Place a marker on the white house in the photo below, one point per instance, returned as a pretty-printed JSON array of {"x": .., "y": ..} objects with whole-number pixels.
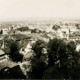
[
  {"x": 5, "y": 31},
  {"x": 78, "y": 47},
  {"x": 64, "y": 33},
  {"x": 3, "y": 56},
  {"x": 59, "y": 33},
  {"x": 26, "y": 50}
]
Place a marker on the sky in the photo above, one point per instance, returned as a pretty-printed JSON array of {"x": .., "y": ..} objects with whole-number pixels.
[{"x": 22, "y": 9}]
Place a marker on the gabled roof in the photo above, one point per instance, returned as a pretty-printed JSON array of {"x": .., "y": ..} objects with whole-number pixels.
[{"x": 2, "y": 52}]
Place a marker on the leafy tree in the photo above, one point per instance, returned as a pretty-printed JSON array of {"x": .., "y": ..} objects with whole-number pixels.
[
  {"x": 56, "y": 49},
  {"x": 71, "y": 45},
  {"x": 14, "y": 52},
  {"x": 37, "y": 62},
  {"x": 1, "y": 32},
  {"x": 37, "y": 48},
  {"x": 55, "y": 27},
  {"x": 63, "y": 60},
  {"x": 34, "y": 31},
  {"x": 38, "y": 67},
  {"x": 23, "y": 28},
  {"x": 77, "y": 26}
]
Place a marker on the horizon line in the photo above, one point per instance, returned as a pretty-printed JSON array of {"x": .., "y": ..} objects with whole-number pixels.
[{"x": 41, "y": 18}]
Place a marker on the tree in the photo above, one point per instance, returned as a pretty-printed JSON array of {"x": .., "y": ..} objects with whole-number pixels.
[
  {"x": 38, "y": 67},
  {"x": 1, "y": 32},
  {"x": 23, "y": 28},
  {"x": 37, "y": 48},
  {"x": 14, "y": 51},
  {"x": 34, "y": 31},
  {"x": 56, "y": 49},
  {"x": 63, "y": 60},
  {"x": 37, "y": 63},
  {"x": 77, "y": 26},
  {"x": 55, "y": 27}
]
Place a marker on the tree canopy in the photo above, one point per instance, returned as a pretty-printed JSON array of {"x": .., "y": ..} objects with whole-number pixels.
[
  {"x": 55, "y": 27},
  {"x": 63, "y": 60},
  {"x": 23, "y": 28},
  {"x": 38, "y": 61},
  {"x": 14, "y": 51}
]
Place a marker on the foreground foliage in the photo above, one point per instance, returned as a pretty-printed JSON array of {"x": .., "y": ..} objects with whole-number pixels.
[
  {"x": 63, "y": 60},
  {"x": 14, "y": 52}
]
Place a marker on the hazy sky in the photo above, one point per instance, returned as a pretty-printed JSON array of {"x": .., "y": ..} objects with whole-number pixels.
[{"x": 15, "y": 9}]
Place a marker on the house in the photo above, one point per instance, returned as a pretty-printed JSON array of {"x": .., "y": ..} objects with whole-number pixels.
[
  {"x": 78, "y": 47},
  {"x": 72, "y": 30},
  {"x": 5, "y": 31},
  {"x": 60, "y": 33},
  {"x": 26, "y": 32},
  {"x": 26, "y": 49},
  {"x": 3, "y": 45},
  {"x": 50, "y": 35},
  {"x": 74, "y": 36},
  {"x": 63, "y": 33},
  {"x": 3, "y": 56},
  {"x": 25, "y": 67}
]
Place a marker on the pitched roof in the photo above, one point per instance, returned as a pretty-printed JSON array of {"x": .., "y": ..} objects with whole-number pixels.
[{"x": 2, "y": 52}]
